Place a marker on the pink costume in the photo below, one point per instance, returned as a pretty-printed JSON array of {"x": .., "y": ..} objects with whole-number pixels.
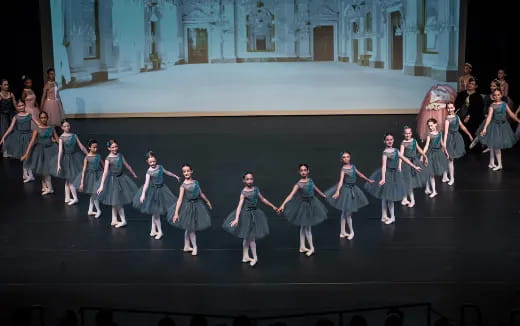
[
  {"x": 52, "y": 104},
  {"x": 30, "y": 105},
  {"x": 434, "y": 106}
]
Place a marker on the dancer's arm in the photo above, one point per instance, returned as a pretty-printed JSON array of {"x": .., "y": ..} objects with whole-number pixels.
[
  {"x": 319, "y": 191},
  {"x": 383, "y": 171},
  {"x": 83, "y": 174},
  {"x": 171, "y": 174},
  {"x": 407, "y": 161},
  {"x": 179, "y": 203},
  {"x": 8, "y": 131},
  {"x": 511, "y": 114},
  {"x": 237, "y": 213},
  {"x": 364, "y": 177},
  {"x": 289, "y": 197},
  {"x": 129, "y": 168},
  {"x": 488, "y": 121},
  {"x": 266, "y": 202},
  {"x": 81, "y": 147},
  {"x": 29, "y": 147},
  {"x": 60, "y": 152},
  {"x": 465, "y": 130},
  {"x": 145, "y": 188},
  {"x": 203, "y": 196},
  {"x": 103, "y": 177},
  {"x": 340, "y": 183}
]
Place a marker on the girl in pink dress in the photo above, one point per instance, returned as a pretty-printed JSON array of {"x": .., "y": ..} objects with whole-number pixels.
[
  {"x": 464, "y": 79},
  {"x": 504, "y": 86},
  {"x": 29, "y": 98},
  {"x": 51, "y": 102}
]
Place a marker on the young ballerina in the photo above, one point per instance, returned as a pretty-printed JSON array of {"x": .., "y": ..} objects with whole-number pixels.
[
  {"x": 41, "y": 153},
  {"x": 454, "y": 142},
  {"x": 51, "y": 102},
  {"x": 304, "y": 209},
  {"x": 496, "y": 133},
  {"x": 346, "y": 196},
  {"x": 435, "y": 150},
  {"x": 116, "y": 189},
  {"x": 412, "y": 178},
  {"x": 189, "y": 212},
  {"x": 29, "y": 99},
  {"x": 17, "y": 138},
  {"x": 390, "y": 185},
  {"x": 154, "y": 197},
  {"x": 7, "y": 109},
  {"x": 247, "y": 221},
  {"x": 70, "y": 161},
  {"x": 89, "y": 178}
]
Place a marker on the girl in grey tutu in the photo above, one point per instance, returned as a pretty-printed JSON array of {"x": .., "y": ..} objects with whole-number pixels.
[
  {"x": 437, "y": 154},
  {"x": 346, "y": 195},
  {"x": 90, "y": 177},
  {"x": 189, "y": 212},
  {"x": 454, "y": 142},
  {"x": 154, "y": 197},
  {"x": 116, "y": 188},
  {"x": 496, "y": 132},
  {"x": 42, "y": 151},
  {"x": 304, "y": 209},
  {"x": 17, "y": 137},
  {"x": 413, "y": 178},
  {"x": 70, "y": 161},
  {"x": 389, "y": 185},
  {"x": 248, "y": 222}
]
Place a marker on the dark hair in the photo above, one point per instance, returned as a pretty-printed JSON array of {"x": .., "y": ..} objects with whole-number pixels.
[
  {"x": 63, "y": 121},
  {"x": 3, "y": 80},
  {"x": 246, "y": 173},
  {"x": 20, "y": 101},
  {"x": 496, "y": 82},
  {"x": 26, "y": 78},
  {"x": 303, "y": 164},
  {"x": 187, "y": 165},
  {"x": 110, "y": 142},
  {"x": 498, "y": 90},
  {"x": 473, "y": 79},
  {"x": 50, "y": 69},
  {"x": 43, "y": 112},
  {"x": 431, "y": 120},
  {"x": 387, "y": 134},
  {"x": 150, "y": 154},
  {"x": 91, "y": 142}
]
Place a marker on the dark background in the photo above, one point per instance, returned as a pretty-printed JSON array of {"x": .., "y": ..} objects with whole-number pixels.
[{"x": 490, "y": 43}]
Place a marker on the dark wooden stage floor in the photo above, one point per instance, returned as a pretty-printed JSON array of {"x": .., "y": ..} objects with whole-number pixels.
[{"x": 463, "y": 246}]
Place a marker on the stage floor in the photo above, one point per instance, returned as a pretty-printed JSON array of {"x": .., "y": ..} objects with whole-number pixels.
[
  {"x": 262, "y": 88},
  {"x": 460, "y": 247}
]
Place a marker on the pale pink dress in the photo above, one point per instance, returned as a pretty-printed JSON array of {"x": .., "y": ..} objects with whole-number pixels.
[
  {"x": 52, "y": 104},
  {"x": 30, "y": 106}
]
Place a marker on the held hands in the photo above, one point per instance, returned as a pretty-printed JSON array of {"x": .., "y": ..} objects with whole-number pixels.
[
  {"x": 371, "y": 181},
  {"x": 275, "y": 208},
  {"x": 323, "y": 196},
  {"x": 280, "y": 209},
  {"x": 417, "y": 168}
]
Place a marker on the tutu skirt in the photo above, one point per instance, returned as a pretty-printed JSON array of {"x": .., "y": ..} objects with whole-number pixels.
[
  {"x": 43, "y": 159},
  {"x": 394, "y": 188},
  {"x": 455, "y": 145},
  {"x": 118, "y": 190},
  {"x": 157, "y": 201},
  {"x": 252, "y": 224},
  {"x": 16, "y": 143},
  {"x": 90, "y": 182},
  {"x": 193, "y": 215},
  {"x": 351, "y": 198},
  {"x": 305, "y": 211},
  {"x": 499, "y": 135},
  {"x": 413, "y": 178},
  {"x": 71, "y": 166},
  {"x": 437, "y": 161}
]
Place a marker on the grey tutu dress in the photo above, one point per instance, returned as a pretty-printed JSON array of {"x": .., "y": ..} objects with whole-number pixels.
[
  {"x": 44, "y": 153},
  {"x": 71, "y": 158},
  {"x": 304, "y": 209},
  {"x": 158, "y": 198},
  {"x": 454, "y": 142},
  {"x": 193, "y": 214},
  {"x": 17, "y": 141},
  {"x": 351, "y": 197},
  {"x": 413, "y": 178},
  {"x": 395, "y": 187},
  {"x": 437, "y": 160},
  {"x": 93, "y": 174},
  {"x": 119, "y": 189},
  {"x": 252, "y": 222},
  {"x": 499, "y": 134}
]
